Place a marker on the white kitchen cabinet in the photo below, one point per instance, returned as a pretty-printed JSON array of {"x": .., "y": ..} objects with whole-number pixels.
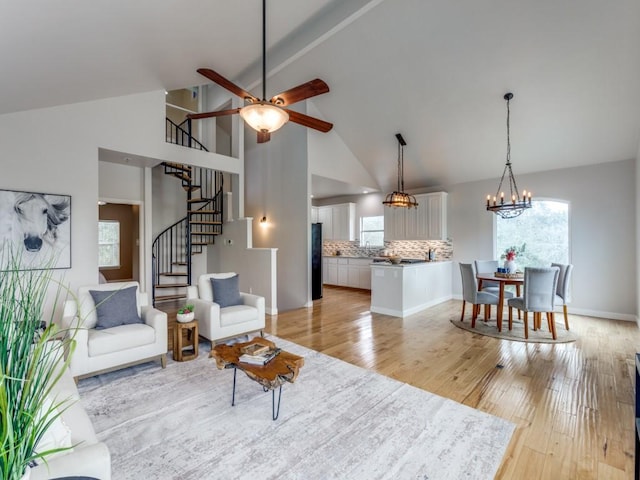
[
  {"x": 394, "y": 222},
  {"x": 432, "y": 216},
  {"x": 343, "y": 271},
  {"x": 426, "y": 222},
  {"x": 326, "y": 219},
  {"x": 348, "y": 272},
  {"x": 338, "y": 221},
  {"x": 331, "y": 271}
]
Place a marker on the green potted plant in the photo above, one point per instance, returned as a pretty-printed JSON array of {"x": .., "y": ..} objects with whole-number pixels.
[
  {"x": 32, "y": 360},
  {"x": 185, "y": 314}
]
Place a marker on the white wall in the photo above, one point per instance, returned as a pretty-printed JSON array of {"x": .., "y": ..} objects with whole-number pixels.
[
  {"x": 276, "y": 186},
  {"x": 256, "y": 267},
  {"x": 602, "y": 231},
  {"x": 329, "y": 157},
  {"x": 120, "y": 182},
  {"x": 37, "y": 153}
]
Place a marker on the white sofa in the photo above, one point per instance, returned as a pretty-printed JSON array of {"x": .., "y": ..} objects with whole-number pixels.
[
  {"x": 89, "y": 457},
  {"x": 107, "y": 349},
  {"x": 215, "y": 323}
]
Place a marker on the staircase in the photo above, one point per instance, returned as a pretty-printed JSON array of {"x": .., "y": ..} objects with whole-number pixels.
[{"x": 173, "y": 249}]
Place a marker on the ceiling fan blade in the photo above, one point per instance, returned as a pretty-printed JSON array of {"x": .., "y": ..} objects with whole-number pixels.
[
  {"x": 307, "y": 121},
  {"x": 301, "y": 92},
  {"x": 263, "y": 137},
  {"x": 223, "y": 82},
  {"x": 219, "y": 113}
]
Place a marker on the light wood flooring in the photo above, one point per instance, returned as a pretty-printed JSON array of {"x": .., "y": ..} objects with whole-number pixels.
[{"x": 573, "y": 404}]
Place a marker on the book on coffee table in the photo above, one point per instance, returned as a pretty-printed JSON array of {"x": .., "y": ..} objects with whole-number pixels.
[
  {"x": 260, "y": 359},
  {"x": 255, "y": 349}
]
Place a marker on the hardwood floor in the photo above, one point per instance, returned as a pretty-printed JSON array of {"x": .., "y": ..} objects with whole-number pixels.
[{"x": 573, "y": 403}]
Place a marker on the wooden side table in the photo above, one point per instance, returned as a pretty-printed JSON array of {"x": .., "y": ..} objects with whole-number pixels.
[{"x": 191, "y": 329}]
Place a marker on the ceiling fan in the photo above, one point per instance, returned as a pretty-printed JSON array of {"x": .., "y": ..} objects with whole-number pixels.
[{"x": 266, "y": 116}]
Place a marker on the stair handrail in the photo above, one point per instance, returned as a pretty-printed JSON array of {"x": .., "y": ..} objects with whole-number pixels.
[{"x": 192, "y": 141}]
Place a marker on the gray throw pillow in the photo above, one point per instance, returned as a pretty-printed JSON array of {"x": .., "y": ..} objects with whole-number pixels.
[
  {"x": 226, "y": 291},
  {"x": 115, "y": 307}
]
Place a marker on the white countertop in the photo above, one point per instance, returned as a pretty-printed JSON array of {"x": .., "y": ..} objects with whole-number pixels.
[{"x": 408, "y": 265}]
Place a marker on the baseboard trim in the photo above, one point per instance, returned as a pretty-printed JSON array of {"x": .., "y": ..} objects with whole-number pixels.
[{"x": 627, "y": 317}]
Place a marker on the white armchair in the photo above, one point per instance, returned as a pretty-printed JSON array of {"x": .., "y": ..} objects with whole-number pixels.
[
  {"x": 100, "y": 349},
  {"x": 216, "y": 323}
]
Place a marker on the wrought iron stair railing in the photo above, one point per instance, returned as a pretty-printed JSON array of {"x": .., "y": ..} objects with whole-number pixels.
[
  {"x": 175, "y": 246},
  {"x": 182, "y": 134}
]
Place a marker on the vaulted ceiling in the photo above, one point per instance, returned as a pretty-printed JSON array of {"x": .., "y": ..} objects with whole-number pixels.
[{"x": 436, "y": 71}]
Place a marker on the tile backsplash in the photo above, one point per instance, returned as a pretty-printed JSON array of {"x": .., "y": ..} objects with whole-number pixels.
[{"x": 404, "y": 248}]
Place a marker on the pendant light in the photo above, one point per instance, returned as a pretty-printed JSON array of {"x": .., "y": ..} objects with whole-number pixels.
[
  {"x": 515, "y": 204},
  {"x": 399, "y": 198}
]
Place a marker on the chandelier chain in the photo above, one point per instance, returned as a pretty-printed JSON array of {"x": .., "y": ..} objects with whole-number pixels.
[{"x": 514, "y": 205}]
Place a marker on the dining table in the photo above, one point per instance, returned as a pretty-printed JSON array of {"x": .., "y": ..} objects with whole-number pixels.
[{"x": 516, "y": 280}]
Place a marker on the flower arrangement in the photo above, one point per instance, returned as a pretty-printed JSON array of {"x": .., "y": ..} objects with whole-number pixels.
[
  {"x": 186, "y": 309},
  {"x": 512, "y": 252}
]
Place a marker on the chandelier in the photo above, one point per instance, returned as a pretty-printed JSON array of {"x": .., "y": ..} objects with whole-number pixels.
[
  {"x": 399, "y": 198},
  {"x": 514, "y": 204}
]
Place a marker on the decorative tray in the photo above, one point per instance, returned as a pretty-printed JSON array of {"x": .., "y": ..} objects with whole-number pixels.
[{"x": 509, "y": 275}]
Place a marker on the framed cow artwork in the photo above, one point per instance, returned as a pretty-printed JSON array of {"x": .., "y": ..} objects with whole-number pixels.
[{"x": 35, "y": 230}]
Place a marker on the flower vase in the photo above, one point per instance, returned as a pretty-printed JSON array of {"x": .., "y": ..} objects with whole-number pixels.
[{"x": 510, "y": 266}]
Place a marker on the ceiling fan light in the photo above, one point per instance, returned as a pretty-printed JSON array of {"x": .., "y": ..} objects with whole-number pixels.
[{"x": 264, "y": 117}]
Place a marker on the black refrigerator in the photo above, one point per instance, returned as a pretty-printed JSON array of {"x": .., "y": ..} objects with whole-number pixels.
[{"x": 316, "y": 261}]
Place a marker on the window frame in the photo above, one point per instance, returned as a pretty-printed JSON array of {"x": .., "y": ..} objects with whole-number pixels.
[
  {"x": 117, "y": 244},
  {"x": 362, "y": 243},
  {"x": 498, "y": 254}
]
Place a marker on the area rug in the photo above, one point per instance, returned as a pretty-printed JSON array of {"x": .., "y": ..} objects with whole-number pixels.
[
  {"x": 490, "y": 329},
  {"x": 337, "y": 421}
]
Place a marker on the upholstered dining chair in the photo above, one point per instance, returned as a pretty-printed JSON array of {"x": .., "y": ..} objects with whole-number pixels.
[
  {"x": 488, "y": 266},
  {"x": 563, "y": 291},
  {"x": 472, "y": 295},
  {"x": 539, "y": 294},
  {"x": 491, "y": 266}
]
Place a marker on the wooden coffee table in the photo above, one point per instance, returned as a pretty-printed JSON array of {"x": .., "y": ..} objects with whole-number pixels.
[{"x": 283, "y": 368}]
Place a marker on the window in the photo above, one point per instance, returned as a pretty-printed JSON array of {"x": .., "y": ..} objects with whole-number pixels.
[
  {"x": 108, "y": 243},
  {"x": 372, "y": 231},
  {"x": 541, "y": 234}
]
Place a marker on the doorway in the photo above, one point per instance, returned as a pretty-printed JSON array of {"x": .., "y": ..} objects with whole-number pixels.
[{"x": 119, "y": 242}]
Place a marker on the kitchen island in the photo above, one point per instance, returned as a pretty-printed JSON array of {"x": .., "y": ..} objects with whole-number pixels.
[{"x": 404, "y": 289}]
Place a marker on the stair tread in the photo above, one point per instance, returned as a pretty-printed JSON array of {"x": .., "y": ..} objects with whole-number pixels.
[
  {"x": 204, "y": 233},
  {"x": 192, "y": 187},
  {"x": 204, "y": 212},
  {"x": 199, "y": 200},
  {"x": 179, "y": 166},
  {"x": 174, "y": 274},
  {"x": 199, "y": 243},
  {"x": 181, "y": 176},
  {"x": 205, "y": 222},
  {"x": 180, "y": 263},
  {"x": 171, "y": 285},
  {"x": 162, "y": 298}
]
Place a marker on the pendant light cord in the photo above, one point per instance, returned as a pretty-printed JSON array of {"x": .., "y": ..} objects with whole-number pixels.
[
  {"x": 264, "y": 50},
  {"x": 508, "y": 133}
]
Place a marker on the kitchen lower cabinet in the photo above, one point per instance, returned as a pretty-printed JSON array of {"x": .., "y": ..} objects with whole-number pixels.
[
  {"x": 330, "y": 266},
  {"x": 348, "y": 272}
]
